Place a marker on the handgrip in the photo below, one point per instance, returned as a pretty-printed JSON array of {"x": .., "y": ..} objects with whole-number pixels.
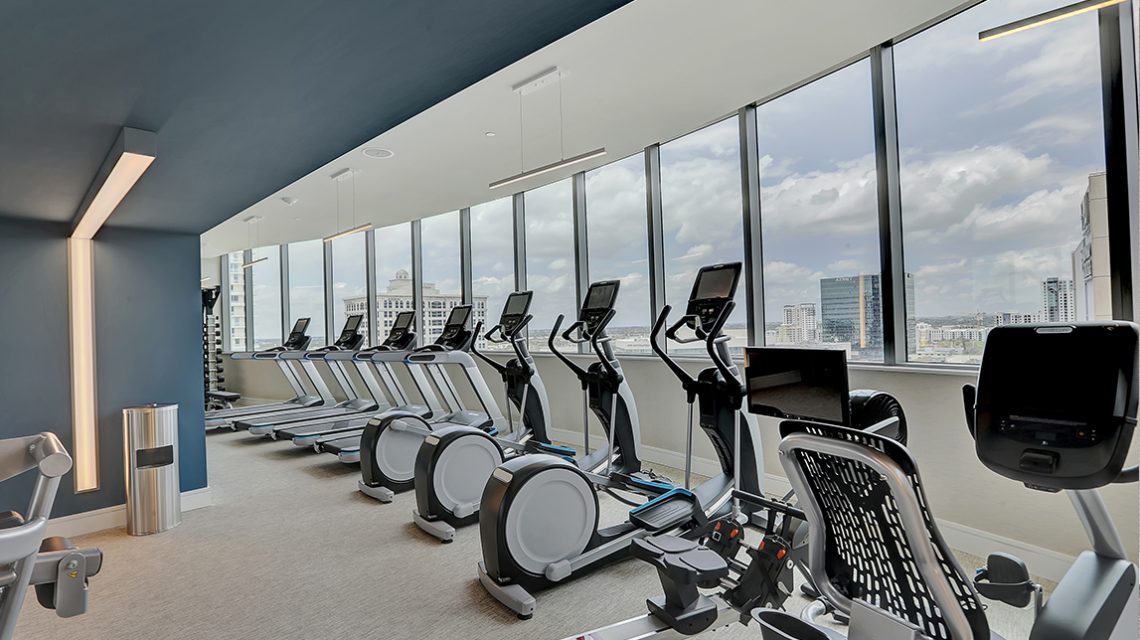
[{"x": 969, "y": 399}]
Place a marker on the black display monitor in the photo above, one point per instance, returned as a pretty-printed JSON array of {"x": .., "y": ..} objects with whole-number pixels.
[
  {"x": 300, "y": 326},
  {"x": 353, "y": 323},
  {"x": 403, "y": 320},
  {"x": 716, "y": 282},
  {"x": 459, "y": 315},
  {"x": 517, "y": 303},
  {"x": 601, "y": 295},
  {"x": 807, "y": 384}
]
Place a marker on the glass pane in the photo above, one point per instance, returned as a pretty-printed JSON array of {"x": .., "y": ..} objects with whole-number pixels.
[
  {"x": 702, "y": 215},
  {"x": 442, "y": 288},
  {"x": 550, "y": 259},
  {"x": 492, "y": 261},
  {"x": 393, "y": 275},
  {"x": 236, "y": 302},
  {"x": 266, "y": 298},
  {"x": 307, "y": 287},
  {"x": 819, "y": 208},
  {"x": 1002, "y": 176},
  {"x": 350, "y": 282},
  {"x": 618, "y": 246}
]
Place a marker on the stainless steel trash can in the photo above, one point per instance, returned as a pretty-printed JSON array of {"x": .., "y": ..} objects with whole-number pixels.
[{"x": 150, "y": 442}]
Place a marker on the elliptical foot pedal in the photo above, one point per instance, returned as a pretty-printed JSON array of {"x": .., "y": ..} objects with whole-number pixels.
[{"x": 667, "y": 511}]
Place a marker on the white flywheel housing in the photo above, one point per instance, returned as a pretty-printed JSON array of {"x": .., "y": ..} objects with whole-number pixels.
[
  {"x": 396, "y": 451},
  {"x": 552, "y": 517},
  {"x": 462, "y": 469}
]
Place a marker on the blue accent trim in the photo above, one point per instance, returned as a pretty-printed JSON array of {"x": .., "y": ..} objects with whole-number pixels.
[
  {"x": 649, "y": 483},
  {"x": 492, "y": 431},
  {"x": 662, "y": 498},
  {"x": 569, "y": 459},
  {"x": 556, "y": 449}
]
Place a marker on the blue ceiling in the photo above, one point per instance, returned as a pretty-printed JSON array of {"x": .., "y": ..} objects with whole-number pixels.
[{"x": 246, "y": 96}]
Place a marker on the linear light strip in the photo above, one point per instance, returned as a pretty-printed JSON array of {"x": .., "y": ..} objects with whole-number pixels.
[
  {"x": 128, "y": 169},
  {"x": 367, "y": 226},
  {"x": 249, "y": 264},
  {"x": 1045, "y": 18},
  {"x": 85, "y": 445},
  {"x": 589, "y": 155}
]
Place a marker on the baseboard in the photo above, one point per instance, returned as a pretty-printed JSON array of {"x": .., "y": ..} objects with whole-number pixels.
[
  {"x": 1044, "y": 563},
  {"x": 116, "y": 517}
]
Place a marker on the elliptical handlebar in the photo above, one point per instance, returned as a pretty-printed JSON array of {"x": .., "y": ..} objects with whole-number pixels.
[
  {"x": 578, "y": 371},
  {"x": 687, "y": 381},
  {"x": 713, "y": 339},
  {"x": 594, "y": 342}
]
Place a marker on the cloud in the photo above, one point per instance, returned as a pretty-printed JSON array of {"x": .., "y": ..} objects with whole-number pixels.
[{"x": 837, "y": 200}]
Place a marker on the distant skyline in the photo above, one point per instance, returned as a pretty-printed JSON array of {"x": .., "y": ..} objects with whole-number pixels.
[{"x": 997, "y": 142}]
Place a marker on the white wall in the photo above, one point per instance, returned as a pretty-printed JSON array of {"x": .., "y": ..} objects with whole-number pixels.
[{"x": 963, "y": 494}]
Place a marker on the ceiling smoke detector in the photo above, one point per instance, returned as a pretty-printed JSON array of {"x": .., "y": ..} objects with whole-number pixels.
[
  {"x": 376, "y": 153},
  {"x": 289, "y": 200}
]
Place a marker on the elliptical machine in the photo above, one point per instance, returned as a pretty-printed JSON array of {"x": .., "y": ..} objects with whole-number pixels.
[
  {"x": 390, "y": 441},
  {"x": 540, "y": 526},
  {"x": 1055, "y": 409},
  {"x": 454, "y": 462}
]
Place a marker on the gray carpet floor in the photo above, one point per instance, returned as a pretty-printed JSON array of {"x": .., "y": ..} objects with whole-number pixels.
[{"x": 290, "y": 549}]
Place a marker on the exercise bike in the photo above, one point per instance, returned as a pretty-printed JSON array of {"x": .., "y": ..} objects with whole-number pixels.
[{"x": 1054, "y": 408}]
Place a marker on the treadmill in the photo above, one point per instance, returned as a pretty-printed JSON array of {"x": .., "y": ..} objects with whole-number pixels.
[
  {"x": 396, "y": 345},
  {"x": 297, "y": 341},
  {"x": 452, "y": 347},
  {"x": 346, "y": 345}
]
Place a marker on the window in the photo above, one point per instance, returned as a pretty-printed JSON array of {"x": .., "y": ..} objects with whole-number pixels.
[
  {"x": 441, "y": 265},
  {"x": 819, "y": 211},
  {"x": 550, "y": 270},
  {"x": 393, "y": 275},
  {"x": 702, "y": 216},
  {"x": 349, "y": 282},
  {"x": 618, "y": 246},
  {"x": 307, "y": 287},
  {"x": 266, "y": 298},
  {"x": 999, "y": 144},
  {"x": 492, "y": 260},
  {"x": 237, "y": 310}
]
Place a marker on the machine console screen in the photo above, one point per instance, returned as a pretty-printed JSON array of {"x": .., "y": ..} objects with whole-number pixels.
[{"x": 808, "y": 384}]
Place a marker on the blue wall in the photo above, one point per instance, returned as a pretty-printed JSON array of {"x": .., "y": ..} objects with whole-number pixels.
[{"x": 148, "y": 346}]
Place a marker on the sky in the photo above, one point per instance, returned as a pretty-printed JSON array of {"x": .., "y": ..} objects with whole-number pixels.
[{"x": 997, "y": 141}]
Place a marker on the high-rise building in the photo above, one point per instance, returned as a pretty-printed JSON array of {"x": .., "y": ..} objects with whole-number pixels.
[
  {"x": 1092, "y": 280},
  {"x": 852, "y": 313},
  {"x": 1057, "y": 304},
  {"x": 236, "y": 302},
  {"x": 398, "y": 297},
  {"x": 800, "y": 324}
]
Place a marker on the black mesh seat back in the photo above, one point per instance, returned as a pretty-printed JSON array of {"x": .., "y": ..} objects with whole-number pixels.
[{"x": 867, "y": 553}]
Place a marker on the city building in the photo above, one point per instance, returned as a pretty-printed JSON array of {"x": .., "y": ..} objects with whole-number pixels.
[
  {"x": 1092, "y": 280},
  {"x": 398, "y": 297},
  {"x": 1057, "y": 304},
  {"x": 236, "y": 302},
  {"x": 852, "y": 313},
  {"x": 800, "y": 325}
]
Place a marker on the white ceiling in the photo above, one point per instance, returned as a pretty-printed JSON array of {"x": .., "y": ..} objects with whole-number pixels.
[{"x": 648, "y": 72}]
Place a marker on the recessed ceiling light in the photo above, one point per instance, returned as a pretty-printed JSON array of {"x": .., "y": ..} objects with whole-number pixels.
[
  {"x": 289, "y": 200},
  {"x": 490, "y": 134},
  {"x": 377, "y": 153}
]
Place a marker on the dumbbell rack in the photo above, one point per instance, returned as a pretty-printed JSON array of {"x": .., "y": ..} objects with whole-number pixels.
[{"x": 213, "y": 373}]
